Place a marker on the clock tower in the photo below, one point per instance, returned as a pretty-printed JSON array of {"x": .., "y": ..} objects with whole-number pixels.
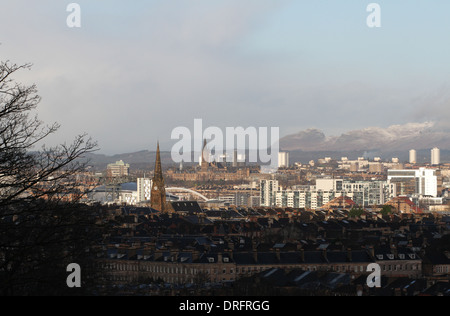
[{"x": 158, "y": 194}]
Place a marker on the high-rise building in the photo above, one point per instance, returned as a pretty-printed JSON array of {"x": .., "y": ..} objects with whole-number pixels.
[
  {"x": 363, "y": 193},
  {"x": 422, "y": 182},
  {"x": 158, "y": 193},
  {"x": 412, "y": 156},
  {"x": 283, "y": 160},
  {"x": 118, "y": 169},
  {"x": 268, "y": 189},
  {"x": 435, "y": 156},
  {"x": 235, "y": 158},
  {"x": 144, "y": 189}
]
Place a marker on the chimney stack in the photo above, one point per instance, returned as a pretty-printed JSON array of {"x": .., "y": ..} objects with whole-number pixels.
[
  {"x": 372, "y": 251},
  {"x": 158, "y": 254},
  {"x": 349, "y": 255},
  {"x": 324, "y": 254},
  {"x": 231, "y": 255},
  {"x": 394, "y": 250},
  {"x": 195, "y": 255},
  {"x": 255, "y": 254}
]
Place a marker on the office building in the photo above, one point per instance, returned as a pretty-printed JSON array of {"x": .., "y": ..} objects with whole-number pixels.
[{"x": 117, "y": 170}]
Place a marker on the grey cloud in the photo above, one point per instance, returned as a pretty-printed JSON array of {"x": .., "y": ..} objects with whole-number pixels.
[{"x": 396, "y": 137}]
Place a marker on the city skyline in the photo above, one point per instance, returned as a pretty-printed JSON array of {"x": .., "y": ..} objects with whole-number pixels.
[
  {"x": 223, "y": 148},
  {"x": 232, "y": 64}
]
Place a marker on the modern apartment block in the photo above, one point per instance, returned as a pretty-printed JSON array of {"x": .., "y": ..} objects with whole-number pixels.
[
  {"x": 363, "y": 193},
  {"x": 419, "y": 182},
  {"x": 144, "y": 188},
  {"x": 412, "y": 156},
  {"x": 268, "y": 189},
  {"x": 283, "y": 160},
  {"x": 435, "y": 156}
]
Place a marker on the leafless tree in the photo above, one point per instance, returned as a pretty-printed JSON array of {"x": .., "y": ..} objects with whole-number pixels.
[{"x": 42, "y": 225}]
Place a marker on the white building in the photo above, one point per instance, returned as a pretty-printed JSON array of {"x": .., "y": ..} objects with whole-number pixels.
[
  {"x": 283, "y": 160},
  {"x": 128, "y": 197},
  {"x": 422, "y": 182},
  {"x": 364, "y": 193},
  {"x": 309, "y": 199},
  {"x": 268, "y": 189},
  {"x": 435, "y": 156},
  {"x": 144, "y": 189},
  {"x": 412, "y": 156}
]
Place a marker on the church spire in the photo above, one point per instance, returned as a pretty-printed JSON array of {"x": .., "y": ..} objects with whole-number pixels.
[
  {"x": 158, "y": 168},
  {"x": 158, "y": 194}
]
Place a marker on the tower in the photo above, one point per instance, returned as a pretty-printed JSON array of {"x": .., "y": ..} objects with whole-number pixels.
[
  {"x": 283, "y": 160},
  {"x": 435, "y": 156},
  {"x": 206, "y": 158},
  {"x": 412, "y": 156},
  {"x": 158, "y": 195}
]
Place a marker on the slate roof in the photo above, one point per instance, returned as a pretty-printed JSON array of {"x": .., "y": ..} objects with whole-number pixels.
[
  {"x": 296, "y": 257},
  {"x": 437, "y": 258},
  {"x": 187, "y": 206}
]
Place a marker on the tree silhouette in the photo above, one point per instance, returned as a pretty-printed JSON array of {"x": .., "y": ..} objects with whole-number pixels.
[{"x": 43, "y": 227}]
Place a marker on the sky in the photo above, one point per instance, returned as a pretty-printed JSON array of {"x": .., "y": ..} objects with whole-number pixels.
[{"x": 136, "y": 70}]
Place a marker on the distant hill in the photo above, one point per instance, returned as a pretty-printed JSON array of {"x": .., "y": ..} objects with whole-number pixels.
[
  {"x": 312, "y": 144},
  {"x": 138, "y": 160}
]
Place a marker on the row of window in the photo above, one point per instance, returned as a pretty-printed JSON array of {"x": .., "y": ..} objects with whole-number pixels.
[
  {"x": 257, "y": 269},
  {"x": 163, "y": 269},
  {"x": 442, "y": 269},
  {"x": 400, "y": 267}
]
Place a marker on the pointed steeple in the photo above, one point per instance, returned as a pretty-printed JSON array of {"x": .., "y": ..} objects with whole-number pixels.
[
  {"x": 158, "y": 168},
  {"x": 158, "y": 193},
  {"x": 204, "y": 152}
]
